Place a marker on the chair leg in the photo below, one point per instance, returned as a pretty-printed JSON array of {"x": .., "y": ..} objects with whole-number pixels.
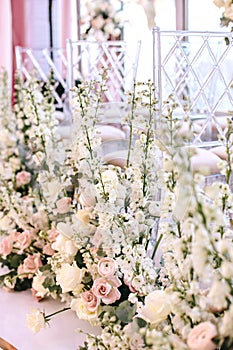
[{"x": 4, "y": 345}]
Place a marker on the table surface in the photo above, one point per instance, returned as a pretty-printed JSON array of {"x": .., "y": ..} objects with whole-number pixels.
[{"x": 60, "y": 334}]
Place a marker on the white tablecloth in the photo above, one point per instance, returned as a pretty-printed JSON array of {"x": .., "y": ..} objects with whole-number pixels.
[{"x": 60, "y": 335}]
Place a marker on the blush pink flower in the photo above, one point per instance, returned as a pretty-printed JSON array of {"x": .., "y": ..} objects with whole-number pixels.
[
  {"x": 30, "y": 265},
  {"x": 106, "y": 289},
  {"x": 23, "y": 178},
  {"x": 48, "y": 250},
  {"x": 63, "y": 205},
  {"x": 24, "y": 239},
  {"x": 201, "y": 337},
  {"x": 131, "y": 287},
  {"x": 14, "y": 235},
  {"x": 52, "y": 234},
  {"x": 107, "y": 267},
  {"x": 90, "y": 300},
  {"x": 5, "y": 246}
]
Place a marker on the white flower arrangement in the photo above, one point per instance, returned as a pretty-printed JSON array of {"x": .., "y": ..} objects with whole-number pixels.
[{"x": 142, "y": 248}]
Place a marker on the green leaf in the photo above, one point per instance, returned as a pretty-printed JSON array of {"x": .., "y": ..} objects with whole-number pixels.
[
  {"x": 141, "y": 323},
  {"x": 23, "y": 284},
  {"x": 79, "y": 260},
  {"x": 125, "y": 312}
]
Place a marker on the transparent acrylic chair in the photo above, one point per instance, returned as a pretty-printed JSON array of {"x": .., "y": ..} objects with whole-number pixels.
[
  {"x": 86, "y": 59},
  {"x": 195, "y": 68},
  {"x": 46, "y": 64}
]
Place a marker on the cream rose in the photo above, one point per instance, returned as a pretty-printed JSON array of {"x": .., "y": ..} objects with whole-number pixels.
[
  {"x": 64, "y": 245},
  {"x": 201, "y": 337},
  {"x": 157, "y": 307},
  {"x": 69, "y": 277},
  {"x": 79, "y": 306}
]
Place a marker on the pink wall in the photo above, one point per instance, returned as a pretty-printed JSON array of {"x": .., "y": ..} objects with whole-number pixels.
[{"x": 5, "y": 35}]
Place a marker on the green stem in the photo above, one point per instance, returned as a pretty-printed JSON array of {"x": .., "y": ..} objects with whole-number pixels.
[
  {"x": 47, "y": 318},
  {"x": 156, "y": 246}
]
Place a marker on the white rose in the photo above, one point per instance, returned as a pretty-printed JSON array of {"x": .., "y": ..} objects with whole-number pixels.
[
  {"x": 157, "y": 307},
  {"x": 69, "y": 277},
  {"x": 64, "y": 245},
  {"x": 82, "y": 312}
]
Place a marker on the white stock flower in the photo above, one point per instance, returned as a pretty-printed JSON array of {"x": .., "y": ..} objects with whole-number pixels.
[{"x": 218, "y": 294}]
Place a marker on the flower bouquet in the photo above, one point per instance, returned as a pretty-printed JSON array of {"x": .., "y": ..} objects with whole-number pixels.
[
  {"x": 142, "y": 246},
  {"x": 102, "y": 20}
]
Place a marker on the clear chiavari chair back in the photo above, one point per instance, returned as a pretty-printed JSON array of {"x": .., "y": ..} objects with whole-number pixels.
[
  {"x": 86, "y": 61},
  {"x": 49, "y": 66},
  {"x": 195, "y": 68}
]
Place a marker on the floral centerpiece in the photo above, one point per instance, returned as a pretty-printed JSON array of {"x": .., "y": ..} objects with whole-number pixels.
[
  {"x": 101, "y": 19},
  {"x": 142, "y": 246}
]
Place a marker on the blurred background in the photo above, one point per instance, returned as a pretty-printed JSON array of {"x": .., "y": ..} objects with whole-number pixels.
[{"x": 48, "y": 23}]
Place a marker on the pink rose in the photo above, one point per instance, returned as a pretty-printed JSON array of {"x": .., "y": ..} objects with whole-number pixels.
[
  {"x": 48, "y": 250},
  {"x": 201, "y": 337},
  {"x": 53, "y": 235},
  {"x": 24, "y": 239},
  {"x": 106, "y": 289},
  {"x": 23, "y": 178},
  {"x": 63, "y": 205},
  {"x": 5, "y": 246},
  {"x": 90, "y": 300},
  {"x": 107, "y": 267},
  {"x": 30, "y": 265},
  {"x": 14, "y": 235}
]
